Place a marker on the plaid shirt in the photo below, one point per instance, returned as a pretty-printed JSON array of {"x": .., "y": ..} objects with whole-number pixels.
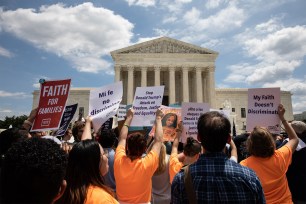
[{"x": 216, "y": 179}]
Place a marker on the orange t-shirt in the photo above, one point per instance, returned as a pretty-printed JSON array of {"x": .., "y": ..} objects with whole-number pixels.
[
  {"x": 97, "y": 195},
  {"x": 134, "y": 178},
  {"x": 174, "y": 166},
  {"x": 272, "y": 174}
]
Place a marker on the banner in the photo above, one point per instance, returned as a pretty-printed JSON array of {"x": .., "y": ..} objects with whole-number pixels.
[
  {"x": 146, "y": 101},
  {"x": 104, "y": 103},
  {"x": 172, "y": 117},
  {"x": 190, "y": 115},
  {"x": 262, "y": 109},
  {"x": 66, "y": 119},
  {"x": 52, "y": 102}
]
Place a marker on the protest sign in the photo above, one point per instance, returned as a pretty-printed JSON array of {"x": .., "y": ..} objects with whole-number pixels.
[
  {"x": 146, "y": 101},
  {"x": 172, "y": 116},
  {"x": 108, "y": 125},
  {"x": 52, "y": 102},
  {"x": 66, "y": 119},
  {"x": 262, "y": 109},
  {"x": 190, "y": 115},
  {"x": 121, "y": 112},
  {"x": 104, "y": 103}
]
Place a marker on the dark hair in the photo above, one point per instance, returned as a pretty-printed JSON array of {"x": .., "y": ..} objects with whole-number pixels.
[
  {"x": 33, "y": 171},
  {"x": 192, "y": 147},
  {"x": 136, "y": 145},
  {"x": 83, "y": 170},
  {"x": 7, "y": 139},
  {"x": 168, "y": 115},
  {"x": 261, "y": 143},
  {"x": 75, "y": 130},
  {"x": 213, "y": 129},
  {"x": 107, "y": 138}
]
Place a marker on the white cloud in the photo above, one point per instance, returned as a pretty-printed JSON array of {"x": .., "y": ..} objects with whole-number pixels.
[
  {"x": 82, "y": 34},
  {"x": 5, "y": 110},
  {"x": 212, "y": 4},
  {"x": 5, "y": 53},
  {"x": 14, "y": 94},
  {"x": 144, "y": 3}
]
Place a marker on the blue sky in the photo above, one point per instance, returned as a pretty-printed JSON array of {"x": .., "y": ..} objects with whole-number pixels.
[{"x": 260, "y": 43}]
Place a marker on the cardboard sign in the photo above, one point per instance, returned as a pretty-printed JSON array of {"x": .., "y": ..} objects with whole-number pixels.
[
  {"x": 104, "y": 103},
  {"x": 190, "y": 115},
  {"x": 262, "y": 109},
  {"x": 52, "y": 102},
  {"x": 66, "y": 119},
  {"x": 172, "y": 116},
  {"x": 146, "y": 101}
]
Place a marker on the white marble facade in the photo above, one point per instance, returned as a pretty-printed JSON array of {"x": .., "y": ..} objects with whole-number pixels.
[{"x": 187, "y": 72}]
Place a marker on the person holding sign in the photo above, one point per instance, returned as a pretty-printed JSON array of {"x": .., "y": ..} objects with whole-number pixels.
[
  {"x": 87, "y": 164},
  {"x": 133, "y": 172},
  {"x": 270, "y": 164}
]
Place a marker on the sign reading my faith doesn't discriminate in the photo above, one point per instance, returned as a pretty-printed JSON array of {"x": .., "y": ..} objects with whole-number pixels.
[
  {"x": 262, "y": 109},
  {"x": 52, "y": 102},
  {"x": 190, "y": 115},
  {"x": 104, "y": 103},
  {"x": 146, "y": 101}
]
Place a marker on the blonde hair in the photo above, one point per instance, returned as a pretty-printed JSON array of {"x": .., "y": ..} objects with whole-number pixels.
[
  {"x": 162, "y": 164},
  {"x": 261, "y": 143}
]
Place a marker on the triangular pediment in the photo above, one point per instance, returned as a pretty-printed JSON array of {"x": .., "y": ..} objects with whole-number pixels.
[{"x": 163, "y": 45}]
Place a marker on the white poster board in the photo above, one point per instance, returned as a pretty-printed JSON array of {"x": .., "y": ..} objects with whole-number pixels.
[
  {"x": 146, "y": 101},
  {"x": 121, "y": 112},
  {"x": 190, "y": 115},
  {"x": 262, "y": 109},
  {"x": 104, "y": 103}
]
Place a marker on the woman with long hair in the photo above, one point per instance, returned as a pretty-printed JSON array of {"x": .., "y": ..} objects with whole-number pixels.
[
  {"x": 87, "y": 165},
  {"x": 270, "y": 164}
]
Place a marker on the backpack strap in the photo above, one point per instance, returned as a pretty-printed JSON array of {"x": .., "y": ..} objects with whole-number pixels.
[{"x": 188, "y": 186}]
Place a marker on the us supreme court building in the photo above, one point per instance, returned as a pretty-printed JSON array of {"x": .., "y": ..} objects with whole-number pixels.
[{"x": 187, "y": 71}]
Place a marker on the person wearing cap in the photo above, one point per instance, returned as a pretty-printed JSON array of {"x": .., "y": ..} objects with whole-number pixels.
[{"x": 296, "y": 174}]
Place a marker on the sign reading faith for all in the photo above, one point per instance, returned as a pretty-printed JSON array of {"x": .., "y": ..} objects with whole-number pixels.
[
  {"x": 52, "y": 102},
  {"x": 262, "y": 109}
]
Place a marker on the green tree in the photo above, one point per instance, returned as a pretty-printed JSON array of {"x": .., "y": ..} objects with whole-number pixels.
[{"x": 15, "y": 121}]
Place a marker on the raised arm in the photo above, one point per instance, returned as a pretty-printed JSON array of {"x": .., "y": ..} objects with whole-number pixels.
[
  {"x": 87, "y": 129},
  {"x": 176, "y": 141},
  {"x": 158, "y": 138},
  {"x": 293, "y": 139},
  {"x": 234, "y": 155},
  {"x": 125, "y": 128}
]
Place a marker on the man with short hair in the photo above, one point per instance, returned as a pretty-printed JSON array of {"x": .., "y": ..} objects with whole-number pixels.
[
  {"x": 214, "y": 177},
  {"x": 33, "y": 171}
]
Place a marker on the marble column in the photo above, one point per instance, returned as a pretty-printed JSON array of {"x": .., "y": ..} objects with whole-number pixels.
[
  {"x": 199, "y": 96},
  {"x": 185, "y": 85},
  {"x": 130, "y": 91},
  {"x": 211, "y": 79},
  {"x": 117, "y": 73},
  {"x": 205, "y": 87},
  {"x": 171, "y": 84},
  {"x": 157, "y": 75},
  {"x": 143, "y": 76}
]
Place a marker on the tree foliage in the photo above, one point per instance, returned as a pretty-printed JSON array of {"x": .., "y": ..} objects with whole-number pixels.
[{"x": 15, "y": 121}]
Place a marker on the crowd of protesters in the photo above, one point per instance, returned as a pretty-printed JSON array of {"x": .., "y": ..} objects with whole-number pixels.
[{"x": 120, "y": 166}]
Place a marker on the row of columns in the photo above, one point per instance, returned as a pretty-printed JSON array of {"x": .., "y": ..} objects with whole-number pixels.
[{"x": 209, "y": 83}]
